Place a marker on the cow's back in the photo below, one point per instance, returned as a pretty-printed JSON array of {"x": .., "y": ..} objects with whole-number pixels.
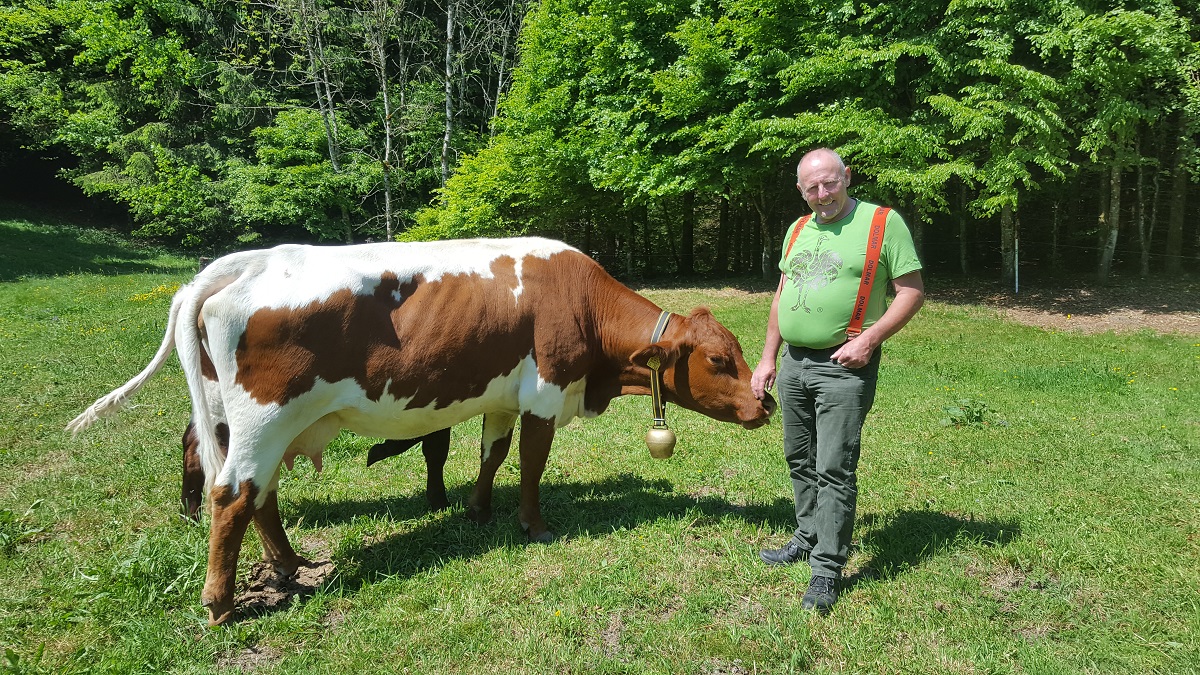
[{"x": 413, "y": 326}]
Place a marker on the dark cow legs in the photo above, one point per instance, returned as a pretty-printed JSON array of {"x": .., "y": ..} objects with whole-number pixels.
[
  {"x": 436, "y": 448},
  {"x": 536, "y": 437},
  {"x": 193, "y": 475}
]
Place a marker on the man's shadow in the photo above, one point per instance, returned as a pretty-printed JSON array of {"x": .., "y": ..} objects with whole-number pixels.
[{"x": 904, "y": 539}]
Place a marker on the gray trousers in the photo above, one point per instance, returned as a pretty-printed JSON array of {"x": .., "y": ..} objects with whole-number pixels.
[{"x": 824, "y": 405}]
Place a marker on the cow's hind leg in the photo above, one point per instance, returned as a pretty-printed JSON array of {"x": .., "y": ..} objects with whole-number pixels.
[
  {"x": 231, "y": 515},
  {"x": 537, "y": 435},
  {"x": 494, "y": 446},
  {"x": 436, "y": 448},
  {"x": 277, "y": 550}
]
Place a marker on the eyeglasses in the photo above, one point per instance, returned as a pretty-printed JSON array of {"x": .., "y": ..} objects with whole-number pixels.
[{"x": 830, "y": 187}]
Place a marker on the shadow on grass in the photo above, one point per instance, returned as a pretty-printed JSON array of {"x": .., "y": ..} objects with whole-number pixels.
[
  {"x": 42, "y": 249},
  {"x": 902, "y": 540},
  {"x": 572, "y": 510}
]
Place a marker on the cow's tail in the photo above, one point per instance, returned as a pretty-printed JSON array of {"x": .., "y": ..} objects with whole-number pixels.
[
  {"x": 189, "y": 344},
  {"x": 119, "y": 397}
]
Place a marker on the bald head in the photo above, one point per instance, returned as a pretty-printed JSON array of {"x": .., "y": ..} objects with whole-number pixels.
[
  {"x": 822, "y": 178},
  {"x": 818, "y": 158}
]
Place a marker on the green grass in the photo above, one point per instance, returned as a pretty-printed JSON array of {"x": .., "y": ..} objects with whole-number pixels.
[{"x": 1056, "y": 533}]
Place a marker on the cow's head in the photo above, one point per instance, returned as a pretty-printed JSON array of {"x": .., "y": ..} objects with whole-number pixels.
[{"x": 704, "y": 370}]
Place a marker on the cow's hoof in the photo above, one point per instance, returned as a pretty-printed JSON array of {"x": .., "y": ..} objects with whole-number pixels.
[
  {"x": 438, "y": 504},
  {"x": 478, "y": 515},
  {"x": 219, "y": 613},
  {"x": 545, "y": 537},
  {"x": 286, "y": 568}
]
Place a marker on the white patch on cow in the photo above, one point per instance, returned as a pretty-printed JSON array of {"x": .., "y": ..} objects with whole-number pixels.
[
  {"x": 295, "y": 276},
  {"x": 520, "y": 281},
  {"x": 549, "y": 401},
  {"x": 496, "y": 425}
]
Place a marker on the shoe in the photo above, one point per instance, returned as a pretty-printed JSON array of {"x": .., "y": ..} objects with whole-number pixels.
[
  {"x": 821, "y": 594},
  {"x": 790, "y": 554}
]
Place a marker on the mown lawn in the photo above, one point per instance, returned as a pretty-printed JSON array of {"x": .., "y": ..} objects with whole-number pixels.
[{"x": 1052, "y": 526}]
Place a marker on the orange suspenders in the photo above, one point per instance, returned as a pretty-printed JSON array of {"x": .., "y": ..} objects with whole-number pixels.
[{"x": 870, "y": 267}]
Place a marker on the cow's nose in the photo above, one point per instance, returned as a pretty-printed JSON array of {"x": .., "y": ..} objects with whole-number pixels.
[{"x": 769, "y": 403}]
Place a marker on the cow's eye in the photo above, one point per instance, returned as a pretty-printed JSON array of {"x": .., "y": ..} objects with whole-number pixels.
[{"x": 717, "y": 361}]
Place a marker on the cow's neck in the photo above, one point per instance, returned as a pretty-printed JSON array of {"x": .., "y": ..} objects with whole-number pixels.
[{"x": 626, "y": 327}]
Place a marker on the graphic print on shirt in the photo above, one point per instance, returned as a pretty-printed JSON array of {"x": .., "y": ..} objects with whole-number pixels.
[{"x": 813, "y": 270}]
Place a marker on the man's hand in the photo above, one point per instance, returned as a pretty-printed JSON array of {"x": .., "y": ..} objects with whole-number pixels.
[
  {"x": 855, "y": 353},
  {"x": 763, "y": 378}
]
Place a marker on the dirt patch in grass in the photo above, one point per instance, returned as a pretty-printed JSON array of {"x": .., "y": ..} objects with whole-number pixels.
[
  {"x": 1123, "y": 306},
  {"x": 249, "y": 659},
  {"x": 268, "y": 591}
]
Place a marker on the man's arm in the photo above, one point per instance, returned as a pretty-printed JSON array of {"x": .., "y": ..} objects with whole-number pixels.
[
  {"x": 763, "y": 377},
  {"x": 910, "y": 295}
]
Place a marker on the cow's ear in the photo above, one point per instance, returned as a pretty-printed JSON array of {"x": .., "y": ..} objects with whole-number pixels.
[{"x": 666, "y": 352}]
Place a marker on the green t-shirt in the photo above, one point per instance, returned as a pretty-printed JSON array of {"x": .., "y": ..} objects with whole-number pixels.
[{"x": 824, "y": 270}]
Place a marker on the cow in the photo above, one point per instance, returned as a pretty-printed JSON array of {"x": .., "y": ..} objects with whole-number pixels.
[
  {"x": 282, "y": 348},
  {"x": 435, "y": 447}
]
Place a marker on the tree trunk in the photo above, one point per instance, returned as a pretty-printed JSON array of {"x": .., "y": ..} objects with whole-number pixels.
[
  {"x": 739, "y": 234},
  {"x": 1110, "y": 228},
  {"x": 449, "y": 90},
  {"x": 1139, "y": 214},
  {"x": 1008, "y": 239},
  {"x": 964, "y": 258},
  {"x": 687, "y": 236},
  {"x": 1179, "y": 188},
  {"x": 1055, "y": 224},
  {"x": 629, "y": 249},
  {"x": 721, "y": 264}
]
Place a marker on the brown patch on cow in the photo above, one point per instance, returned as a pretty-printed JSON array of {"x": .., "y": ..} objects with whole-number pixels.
[
  {"x": 435, "y": 341},
  {"x": 207, "y": 370}
]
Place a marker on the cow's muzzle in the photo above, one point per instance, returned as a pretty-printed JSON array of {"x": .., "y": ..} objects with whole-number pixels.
[{"x": 759, "y": 419}]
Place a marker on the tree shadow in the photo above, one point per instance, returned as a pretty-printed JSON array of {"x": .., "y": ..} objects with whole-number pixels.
[
  {"x": 904, "y": 539},
  {"x": 1076, "y": 295},
  {"x": 44, "y": 250}
]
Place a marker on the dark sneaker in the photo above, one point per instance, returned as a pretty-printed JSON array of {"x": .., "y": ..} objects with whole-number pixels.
[
  {"x": 821, "y": 594},
  {"x": 789, "y": 554}
]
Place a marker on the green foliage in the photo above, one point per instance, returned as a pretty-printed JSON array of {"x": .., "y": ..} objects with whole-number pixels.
[
  {"x": 14, "y": 529},
  {"x": 966, "y": 412}
]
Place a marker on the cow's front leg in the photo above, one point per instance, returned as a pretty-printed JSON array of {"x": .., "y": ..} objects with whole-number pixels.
[
  {"x": 231, "y": 515},
  {"x": 493, "y": 448},
  {"x": 536, "y": 436},
  {"x": 436, "y": 447},
  {"x": 277, "y": 550}
]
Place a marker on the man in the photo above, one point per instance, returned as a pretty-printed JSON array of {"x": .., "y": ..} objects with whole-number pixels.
[{"x": 827, "y": 374}]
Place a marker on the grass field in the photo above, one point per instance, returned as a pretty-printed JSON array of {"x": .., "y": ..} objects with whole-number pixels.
[{"x": 1029, "y": 503}]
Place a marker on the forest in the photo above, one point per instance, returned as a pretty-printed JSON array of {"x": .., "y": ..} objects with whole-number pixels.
[{"x": 659, "y": 136}]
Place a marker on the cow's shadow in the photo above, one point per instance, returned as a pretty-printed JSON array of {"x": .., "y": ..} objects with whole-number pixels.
[
  {"x": 572, "y": 509},
  {"x": 897, "y": 541}
]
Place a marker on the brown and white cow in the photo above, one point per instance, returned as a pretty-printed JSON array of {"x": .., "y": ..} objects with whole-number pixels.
[{"x": 282, "y": 348}]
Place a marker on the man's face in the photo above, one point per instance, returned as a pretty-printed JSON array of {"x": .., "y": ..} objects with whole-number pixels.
[{"x": 823, "y": 184}]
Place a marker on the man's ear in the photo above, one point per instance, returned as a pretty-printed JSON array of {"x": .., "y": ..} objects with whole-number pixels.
[{"x": 666, "y": 352}]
